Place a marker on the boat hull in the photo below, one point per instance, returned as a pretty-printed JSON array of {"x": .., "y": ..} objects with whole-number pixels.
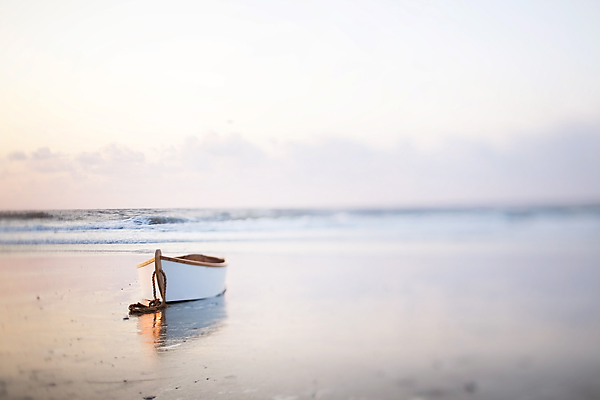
[{"x": 185, "y": 281}]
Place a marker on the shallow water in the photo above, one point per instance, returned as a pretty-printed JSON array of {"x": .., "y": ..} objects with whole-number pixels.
[{"x": 476, "y": 315}]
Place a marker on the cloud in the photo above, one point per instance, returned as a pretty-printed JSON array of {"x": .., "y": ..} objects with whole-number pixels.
[
  {"x": 110, "y": 160},
  {"x": 212, "y": 152},
  {"x": 17, "y": 156},
  {"x": 43, "y": 153},
  {"x": 44, "y": 161},
  {"x": 228, "y": 171}
]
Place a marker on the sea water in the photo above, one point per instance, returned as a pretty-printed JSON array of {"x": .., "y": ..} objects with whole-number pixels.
[{"x": 192, "y": 230}]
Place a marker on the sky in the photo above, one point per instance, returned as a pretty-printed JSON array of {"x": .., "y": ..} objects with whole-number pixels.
[{"x": 298, "y": 104}]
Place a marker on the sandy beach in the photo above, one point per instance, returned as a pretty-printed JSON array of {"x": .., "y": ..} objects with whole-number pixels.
[{"x": 413, "y": 322}]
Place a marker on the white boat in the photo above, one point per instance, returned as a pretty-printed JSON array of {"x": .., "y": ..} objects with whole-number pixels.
[{"x": 189, "y": 277}]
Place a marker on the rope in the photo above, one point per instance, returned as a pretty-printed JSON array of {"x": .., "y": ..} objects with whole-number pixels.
[{"x": 156, "y": 304}]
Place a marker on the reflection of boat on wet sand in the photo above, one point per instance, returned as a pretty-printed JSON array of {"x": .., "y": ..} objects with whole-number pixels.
[
  {"x": 182, "y": 322},
  {"x": 189, "y": 277}
]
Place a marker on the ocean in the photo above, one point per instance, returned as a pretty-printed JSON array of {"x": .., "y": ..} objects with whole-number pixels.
[{"x": 141, "y": 230}]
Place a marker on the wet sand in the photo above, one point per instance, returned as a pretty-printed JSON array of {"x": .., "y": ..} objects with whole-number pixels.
[{"x": 430, "y": 322}]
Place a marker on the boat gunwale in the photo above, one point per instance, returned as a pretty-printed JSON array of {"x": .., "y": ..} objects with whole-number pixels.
[{"x": 184, "y": 261}]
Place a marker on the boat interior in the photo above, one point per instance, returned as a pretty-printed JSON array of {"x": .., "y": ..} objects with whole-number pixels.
[{"x": 202, "y": 258}]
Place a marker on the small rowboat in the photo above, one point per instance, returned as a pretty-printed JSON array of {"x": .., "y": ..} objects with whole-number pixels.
[{"x": 189, "y": 277}]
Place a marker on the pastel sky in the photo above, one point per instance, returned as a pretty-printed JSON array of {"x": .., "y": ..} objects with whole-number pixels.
[{"x": 298, "y": 103}]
